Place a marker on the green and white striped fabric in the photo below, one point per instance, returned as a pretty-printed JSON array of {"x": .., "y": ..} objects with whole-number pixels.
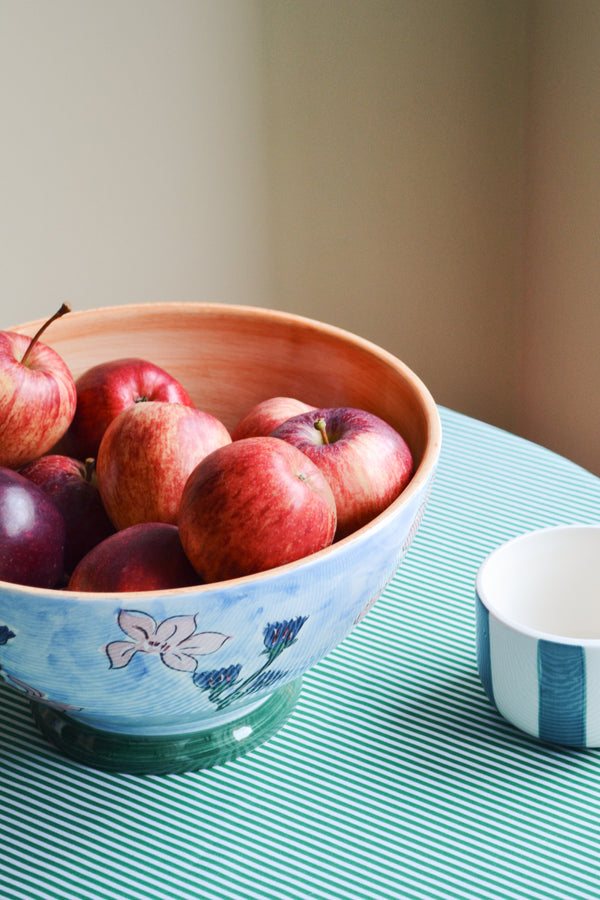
[{"x": 394, "y": 778}]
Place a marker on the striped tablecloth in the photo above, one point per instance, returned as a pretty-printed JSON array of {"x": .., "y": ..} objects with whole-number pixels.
[{"x": 394, "y": 778}]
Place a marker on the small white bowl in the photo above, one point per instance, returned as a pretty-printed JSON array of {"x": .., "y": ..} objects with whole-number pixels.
[{"x": 538, "y": 633}]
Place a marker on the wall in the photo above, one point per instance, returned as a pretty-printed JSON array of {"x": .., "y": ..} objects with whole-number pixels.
[
  {"x": 362, "y": 161},
  {"x": 397, "y": 163},
  {"x": 132, "y": 153},
  {"x": 560, "y": 399}
]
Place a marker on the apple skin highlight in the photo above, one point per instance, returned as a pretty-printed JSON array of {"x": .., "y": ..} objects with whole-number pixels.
[
  {"x": 145, "y": 557},
  {"x": 37, "y": 399},
  {"x": 32, "y": 533},
  {"x": 267, "y": 415},
  {"x": 73, "y": 488},
  {"x": 366, "y": 462},
  {"x": 106, "y": 389},
  {"x": 146, "y": 456},
  {"x": 253, "y": 505}
]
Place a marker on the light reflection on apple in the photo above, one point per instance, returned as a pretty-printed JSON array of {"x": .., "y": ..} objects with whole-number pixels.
[{"x": 19, "y": 511}]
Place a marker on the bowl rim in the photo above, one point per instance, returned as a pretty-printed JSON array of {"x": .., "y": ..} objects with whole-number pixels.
[
  {"x": 422, "y": 476},
  {"x": 511, "y": 622}
]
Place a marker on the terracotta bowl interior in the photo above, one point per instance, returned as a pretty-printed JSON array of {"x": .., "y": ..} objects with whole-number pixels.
[{"x": 231, "y": 357}]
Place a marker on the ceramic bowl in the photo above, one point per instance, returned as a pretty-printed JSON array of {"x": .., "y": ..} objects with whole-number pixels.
[
  {"x": 182, "y": 679},
  {"x": 538, "y": 633}
]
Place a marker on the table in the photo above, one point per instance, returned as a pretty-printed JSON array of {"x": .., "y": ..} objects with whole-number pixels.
[{"x": 394, "y": 778}]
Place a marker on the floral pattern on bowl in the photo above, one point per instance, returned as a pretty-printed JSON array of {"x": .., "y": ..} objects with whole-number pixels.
[
  {"x": 175, "y": 640},
  {"x": 187, "y": 660},
  {"x": 177, "y": 643}
]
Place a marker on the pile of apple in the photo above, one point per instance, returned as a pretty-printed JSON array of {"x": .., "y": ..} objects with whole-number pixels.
[{"x": 117, "y": 482}]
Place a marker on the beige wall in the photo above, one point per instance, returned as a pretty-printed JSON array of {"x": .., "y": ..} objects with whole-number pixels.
[
  {"x": 362, "y": 161},
  {"x": 396, "y": 156},
  {"x": 131, "y": 153},
  {"x": 560, "y": 398}
]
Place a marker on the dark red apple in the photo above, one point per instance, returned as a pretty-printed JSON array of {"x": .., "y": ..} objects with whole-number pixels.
[
  {"x": 37, "y": 396},
  {"x": 265, "y": 416},
  {"x": 73, "y": 487},
  {"x": 146, "y": 455},
  {"x": 105, "y": 390},
  {"x": 366, "y": 462},
  {"x": 252, "y": 505},
  {"x": 32, "y": 533},
  {"x": 145, "y": 557}
]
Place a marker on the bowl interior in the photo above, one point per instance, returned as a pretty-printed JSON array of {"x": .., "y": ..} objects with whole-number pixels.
[
  {"x": 231, "y": 357},
  {"x": 544, "y": 583}
]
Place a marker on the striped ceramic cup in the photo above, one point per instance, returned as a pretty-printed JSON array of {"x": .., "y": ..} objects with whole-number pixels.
[{"x": 538, "y": 633}]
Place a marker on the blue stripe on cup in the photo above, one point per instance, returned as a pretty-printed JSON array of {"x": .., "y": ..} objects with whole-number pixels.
[
  {"x": 484, "y": 662},
  {"x": 562, "y": 693},
  {"x": 542, "y": 691}
]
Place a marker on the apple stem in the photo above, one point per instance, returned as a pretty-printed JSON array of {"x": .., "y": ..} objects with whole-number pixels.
[
  {"x": 90, "y": 470},
  {"x": 65, "y": 308},
  {"x": 321, "y": 427}
]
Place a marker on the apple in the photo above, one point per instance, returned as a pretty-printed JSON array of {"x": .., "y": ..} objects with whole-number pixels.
[
  {"x": 105, "y": 390},
  {"x": 73, "y": 487},
  {"x": 265, "y": 416},
  {"x": 366, "y": 462},
  {"x": 146, "y": 455},
  {"x": 145, "y": 557},
  {"x": 252, "y": 505},
  {"x": 32, "y": 533},
  {"x": 37, "y": 396}
]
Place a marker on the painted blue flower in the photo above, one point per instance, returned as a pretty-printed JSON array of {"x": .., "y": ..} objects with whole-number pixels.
[
  {"x": 217, "y": 680},
  {"x": 5, "y": 634},
  {"x": 264, "y": 680},
  {"x": 280, "y": 635},
  {"x": 224, "y": 685}
]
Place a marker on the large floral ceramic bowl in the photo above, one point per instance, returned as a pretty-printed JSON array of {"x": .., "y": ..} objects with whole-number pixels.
[{"x": 187, "y": 678}]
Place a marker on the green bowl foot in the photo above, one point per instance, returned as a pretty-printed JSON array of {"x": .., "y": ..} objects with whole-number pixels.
[{"x": 167, "y": 754}]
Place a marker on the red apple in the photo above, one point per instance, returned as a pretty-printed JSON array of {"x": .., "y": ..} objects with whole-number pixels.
[
  {"x": 145, "y": 557},
  {"x": 37, "y": 396},
  {"x": 252, "y": 505},
  {"x": 146, "y": 455},
  {"x": 365, "y": 460},
  {"x": 265, "y": 416},
  {"x": 73, "y": 487},
  {"x": 107, "y": 389},
  {"x": 32, "y": 533}
]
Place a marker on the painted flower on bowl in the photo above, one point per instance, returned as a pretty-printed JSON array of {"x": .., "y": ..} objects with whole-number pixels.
[
  {"x": 277, "y": 637},
  {"x": 5, "y": 634},
  {"x": 175, "y": 640}
]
